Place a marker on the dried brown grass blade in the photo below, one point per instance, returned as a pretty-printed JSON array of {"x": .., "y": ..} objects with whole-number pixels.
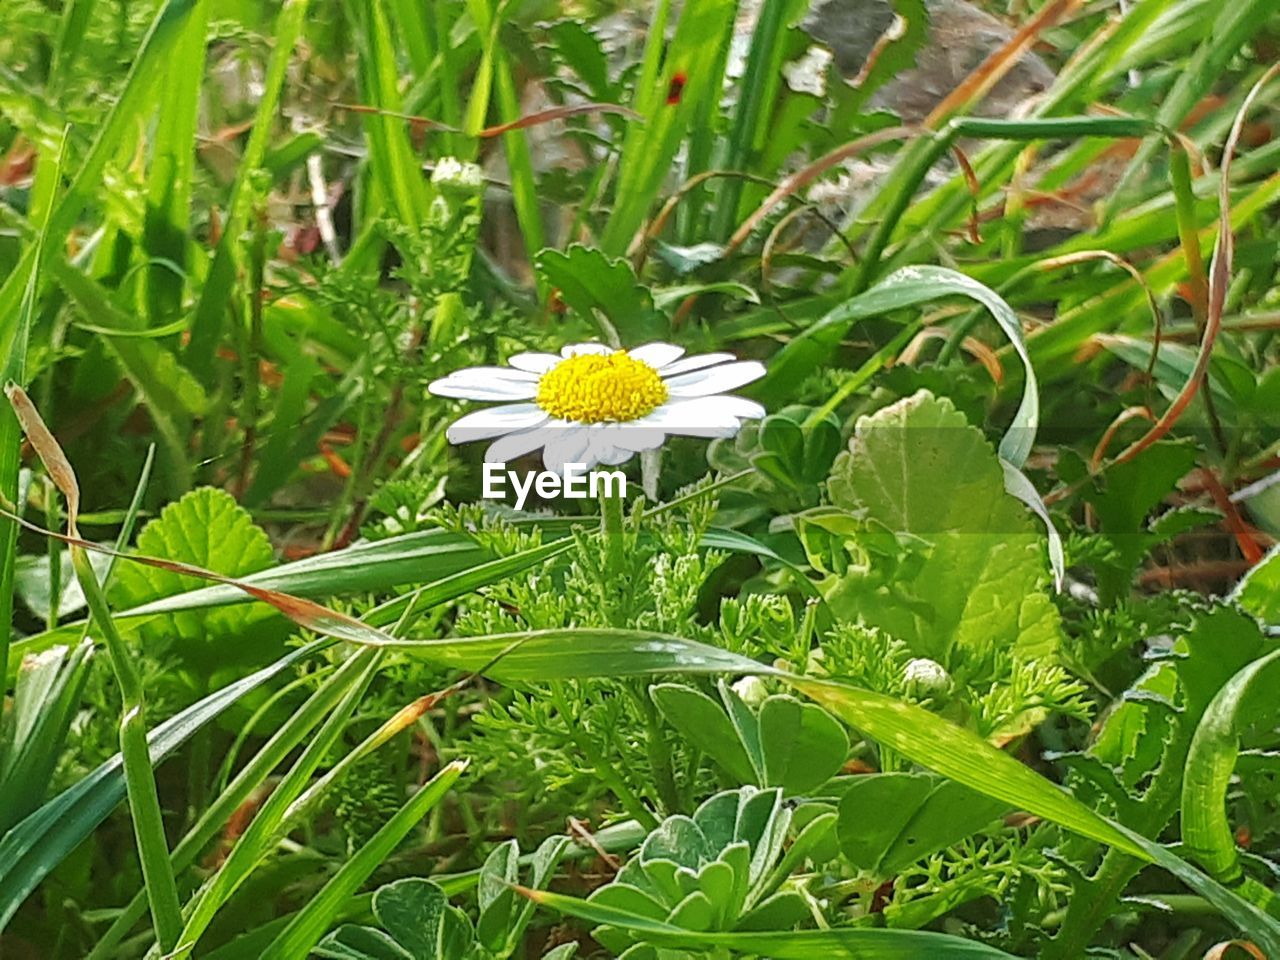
[
  {"x": 47, "y": 449},
  {"x": 988, "y": 73},
  {"x": 1219, "y": 281},
  {"x": 806, "y": 175},
  {"x": 305, "y": 613}
]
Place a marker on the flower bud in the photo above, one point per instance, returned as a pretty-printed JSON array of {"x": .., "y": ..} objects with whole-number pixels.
[
  {"x": 751, "y": 690},
  {"x": 926, "y": 678}
]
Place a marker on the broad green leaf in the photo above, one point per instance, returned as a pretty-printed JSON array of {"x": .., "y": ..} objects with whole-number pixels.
[
  {"x": 417, "y": 914},
  {"x": 1259, "y": 591},
  {"x": 208, "y": 529},
  {"x": 803, "y": 745},
  {"x": 917, "y": 468},
  {"x": 352, "y": 942},
  {"x": 595, "y": 285},
  {"x": 703, "y": 722},
  {"x": 891, "y": 820},
  {"x": 1123, "y": 498},
  {"x": 495, "y": 895},
  {"x": 411, "y": 910}
]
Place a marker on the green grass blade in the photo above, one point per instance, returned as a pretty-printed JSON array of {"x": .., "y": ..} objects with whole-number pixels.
[
  {"x": 1211, "y": 762},
  {"x": 309, "y": 925},
  {"x": 257, "y": 841},
  {"x": 577, "y": 653},
  {"x": 140, "y": 781},
  {"x": 757, "y": 91},
  {"x": 168, "y": 213},
  {"x": 650, "y": 144},
  {"x": 396, "y": 169},
  {"x": 283, "y": 742},
  {"x": 961, "y": 755},
  {"x": 864, "y": 943},
  {"x": 370, "y": 566},
  {"x": 44, "y": 702},
  {"x": 910, "y": 287},
  {"x": 39, "y": 843},
  {"x": 14, "y": 370},
  {"x": 140, "y": 87},
  {"x": 1234, "y": 25},
  {"x": 219, "y": 284}
]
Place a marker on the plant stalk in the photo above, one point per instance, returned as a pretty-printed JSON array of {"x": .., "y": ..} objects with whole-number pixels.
[{"x": 140, "y": 783}]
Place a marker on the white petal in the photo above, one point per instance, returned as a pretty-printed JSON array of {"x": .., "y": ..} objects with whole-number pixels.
[
  {"x": 494, "y": 390},
  {"x": 495, "y": 421},
  {"x": 515, "y": 445},
  {"x": 739, "y": 407},
  {"x": 568, "y": 446},
  {"x": 534, "y": 362},
  {"x": 633, "y": 438},
  {"x": 656, "y": 355},
  {"x": 618, "y": 442},
  {"x": 577, "y": 349},
  {"x": 487, "y": 374},
  {"x": 703, "y": 383},
  {"x": 692, "y": 418},
  {"x": 695, "y": 363},
  {"x": 609, "y": 455}
]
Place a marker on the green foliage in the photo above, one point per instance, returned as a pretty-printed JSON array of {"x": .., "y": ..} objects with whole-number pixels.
[
  {"x": 416, "y": 923},
  {"x": 927, "y": 557},
  {"x": 779, "y": 742},
  {"x": 604, "y": 292},
  {"x": 712, "y": 871},
  {"x": 891, "y": 820},
  {"x": 834, "y": 684},
  {"x": 208, "y": 529}
]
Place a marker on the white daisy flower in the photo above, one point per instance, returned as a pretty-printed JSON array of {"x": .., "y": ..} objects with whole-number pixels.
[{"x": 594, "y": 404}]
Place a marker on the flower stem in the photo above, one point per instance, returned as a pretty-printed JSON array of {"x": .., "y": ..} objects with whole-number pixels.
[
  {"x": 139, "y": 777},
  {"x": 611, "y": 528},
  {"x": 603, "y": 768}
]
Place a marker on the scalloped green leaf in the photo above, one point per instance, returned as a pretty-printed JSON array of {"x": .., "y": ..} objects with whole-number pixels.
[{"x": 206, "y": 528}]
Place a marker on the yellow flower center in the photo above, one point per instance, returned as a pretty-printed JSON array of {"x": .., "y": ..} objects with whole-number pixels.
[{"x": 592, "y": 387}]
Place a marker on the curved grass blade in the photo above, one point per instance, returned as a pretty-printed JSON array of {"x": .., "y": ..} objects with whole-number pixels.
[
  {"x": 309, "y": 924},
  {"x": 264, "y": 829},
  {"x": 954, "y": 752},
  {"x": 1017, "y": 485},
  {"x": 910, "y": 287},
  {"x": 577, "y": 653},
  {"x": 139, "y": 90},
  {"x": 45, "y": 838},
  {"x": 864, "y": 943},
  {"x": 1211, "y": 761}
]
